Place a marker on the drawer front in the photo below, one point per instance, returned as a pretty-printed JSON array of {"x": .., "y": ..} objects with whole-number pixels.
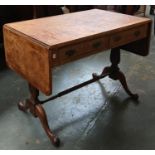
[
  {"x": 77, "y": 51},
  {"x": 128, "y": 36}
]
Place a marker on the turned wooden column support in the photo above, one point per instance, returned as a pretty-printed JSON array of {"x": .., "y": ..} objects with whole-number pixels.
[{"x": 37, "y": 110}]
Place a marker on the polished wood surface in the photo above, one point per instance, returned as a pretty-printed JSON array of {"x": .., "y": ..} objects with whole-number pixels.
[
  {"x": 63, "y": 29},
  {"x": 29, "y": 59},
  {"x": 128, "y": 36},
  {"x": 60, "y": 39},
  {"x": 72, "y": 52}
]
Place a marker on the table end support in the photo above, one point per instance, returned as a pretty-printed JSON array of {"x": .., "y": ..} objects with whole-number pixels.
[
  {"x": 37, "y": 110},
  {"x": 114, "y": 72}
]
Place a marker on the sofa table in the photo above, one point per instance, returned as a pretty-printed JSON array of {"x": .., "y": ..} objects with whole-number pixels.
[{"x": 34, "y": 47}]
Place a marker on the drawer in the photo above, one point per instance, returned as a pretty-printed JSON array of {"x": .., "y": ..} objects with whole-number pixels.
[
  {"x": 85, "y": 48},
  {"x": 128, "y": 36}
]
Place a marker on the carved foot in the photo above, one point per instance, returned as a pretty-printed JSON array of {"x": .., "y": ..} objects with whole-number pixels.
[
  {"x": 23, "y": 105},
  {"x": 122, "y": 80},
  {"x": 40, "y": 112}
]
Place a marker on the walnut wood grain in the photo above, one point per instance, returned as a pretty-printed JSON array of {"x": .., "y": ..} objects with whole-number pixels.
[
  {"x": 128, "y": 36},
  {"x": 82, "y": 49},
  {"x": 140, "y": 47},
  {"x": 29, "y": 59},
  {"x": 65, "y": 29}
]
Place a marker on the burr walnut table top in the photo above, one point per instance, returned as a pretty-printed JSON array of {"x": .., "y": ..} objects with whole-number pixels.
[{"x": 62, "y": 29}]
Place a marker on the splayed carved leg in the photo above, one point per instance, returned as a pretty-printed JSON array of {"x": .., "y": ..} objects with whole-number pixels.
[
  {"x": 35, "y": 107},
  {"x": 122, "y": 79}
]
